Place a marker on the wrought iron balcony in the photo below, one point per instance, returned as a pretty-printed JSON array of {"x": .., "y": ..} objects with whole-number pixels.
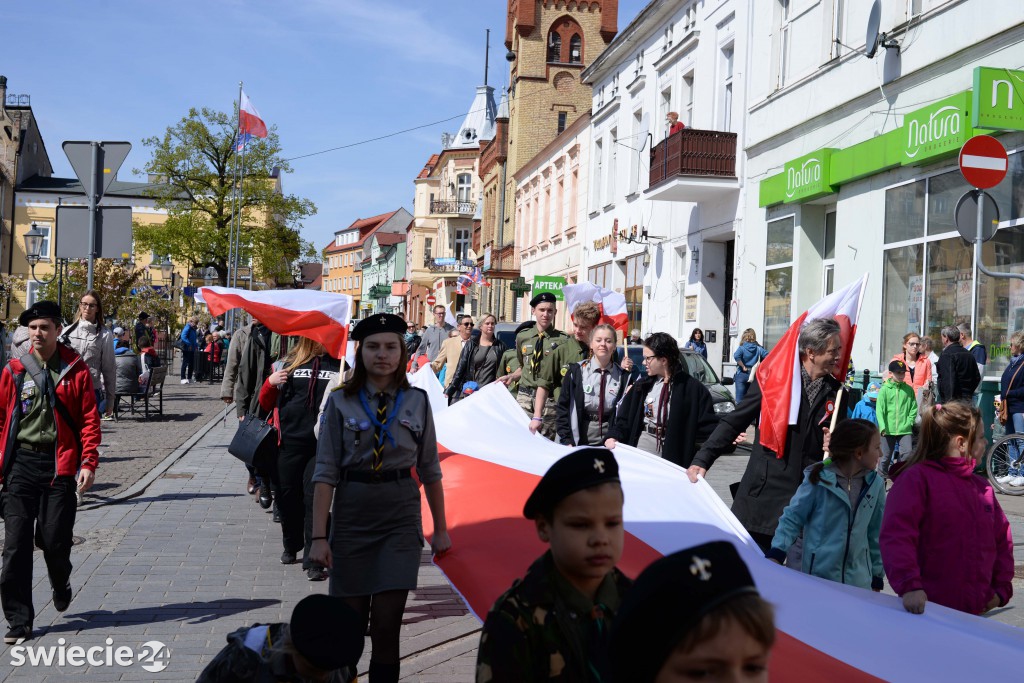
[
  {"x": 447, "y": 264},
  {"x": 452, "y": 207}
]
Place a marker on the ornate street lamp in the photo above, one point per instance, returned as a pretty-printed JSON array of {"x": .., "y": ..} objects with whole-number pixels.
[{"x": 33, "y": 249}]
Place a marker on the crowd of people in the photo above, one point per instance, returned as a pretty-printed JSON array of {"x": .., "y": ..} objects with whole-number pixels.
[{"x": 349, "y": 438}]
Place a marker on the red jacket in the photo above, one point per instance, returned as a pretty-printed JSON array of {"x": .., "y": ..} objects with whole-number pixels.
[
  {"x": 75, "y": 391},
  {"x": 943, "y": 532}
]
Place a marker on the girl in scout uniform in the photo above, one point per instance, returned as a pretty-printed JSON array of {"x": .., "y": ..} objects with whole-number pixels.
[
  {"x": 591, "y": 391},
  {"x": 374, "y": 431}
]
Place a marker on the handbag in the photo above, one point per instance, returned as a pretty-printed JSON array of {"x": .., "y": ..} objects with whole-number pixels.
[
  {"x": 1004, "y": 405},
  {"x": 255, "y": 443}
]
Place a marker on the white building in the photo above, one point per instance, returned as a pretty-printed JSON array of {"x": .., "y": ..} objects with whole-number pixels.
[
  {"x": 852, "y": 167},
  {"x": 663, "y": 210}
]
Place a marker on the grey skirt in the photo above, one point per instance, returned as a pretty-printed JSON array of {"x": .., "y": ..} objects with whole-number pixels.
[{"x": 377, "y": 537}]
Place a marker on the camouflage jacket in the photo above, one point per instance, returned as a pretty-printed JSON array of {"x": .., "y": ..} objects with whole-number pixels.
[
  {"x": 240, "y": 661},
  {"x": 543, "y": 629}
]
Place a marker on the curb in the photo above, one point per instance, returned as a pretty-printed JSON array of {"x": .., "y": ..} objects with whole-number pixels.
[{"x": 139, "y": 487}]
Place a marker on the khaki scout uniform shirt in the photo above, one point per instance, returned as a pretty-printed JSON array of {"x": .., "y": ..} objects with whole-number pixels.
[
  {"x": 38, "y": 425},
  {"x": 526, "y": 343},
  {"x": 556, "y": 364}
]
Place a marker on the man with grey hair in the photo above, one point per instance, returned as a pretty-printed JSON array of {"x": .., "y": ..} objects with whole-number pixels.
[
  {"x": 974, "y": 347},
  {"x": 958, "y": 371},
  {"x": 771, "y": 479}
]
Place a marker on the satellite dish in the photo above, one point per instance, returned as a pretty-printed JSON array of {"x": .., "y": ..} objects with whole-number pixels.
[
  {"x": 873, "y": 40},
  {"x": 645, "y": 124}
]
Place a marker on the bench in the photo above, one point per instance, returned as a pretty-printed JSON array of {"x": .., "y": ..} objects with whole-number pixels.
[{"x": 147, "y": 398}]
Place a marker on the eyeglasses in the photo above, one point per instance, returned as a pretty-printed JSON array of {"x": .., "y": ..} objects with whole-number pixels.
[
  {"x": 85, "y": 305},
  {"x": 467, "y": 324},
  {"x": 913, "y": 343},
  {"x": 648, "y": 359}
]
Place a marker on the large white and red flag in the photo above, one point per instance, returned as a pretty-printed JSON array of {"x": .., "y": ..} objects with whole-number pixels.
[
  {"x": 612, "y": 304},
  {"x": 249, "y": 120},
  {"x": 322, "y": 316},
  {"x": 827, "y": 631},
  {"x": 779, "y": 373}
]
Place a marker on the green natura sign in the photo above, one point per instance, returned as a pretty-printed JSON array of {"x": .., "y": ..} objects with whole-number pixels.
[
  {"x": 937, "y": 130},
  {"x": 998, "y": 99},
  {"x": 808, "y": 177},
  {"x": 549, "y": 283}
]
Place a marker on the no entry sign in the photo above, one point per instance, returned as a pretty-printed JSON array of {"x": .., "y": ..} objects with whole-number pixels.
[
  {"x": 431, "y": 300},
  {"x": 983, "y": 162}
]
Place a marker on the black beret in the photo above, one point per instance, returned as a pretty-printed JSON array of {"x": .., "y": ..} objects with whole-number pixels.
[
  {"x": 382, "y": 322},
  {"x": 542, "y": 298},
  {"x": 143, "y": 315},
  {"x": 579, "y": 470},
  {"x": 327, "y": 632},
  {"x": 40, "y": 309},
  {"x": 897, "y": 366},
  {"x": 668, "y": 599},
  {"x": 525, "y": 326}
]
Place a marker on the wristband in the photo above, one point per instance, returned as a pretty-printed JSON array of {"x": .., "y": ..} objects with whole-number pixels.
[
  {"x": 319, "y": 538},
  {"x": 536, "y": 419}
]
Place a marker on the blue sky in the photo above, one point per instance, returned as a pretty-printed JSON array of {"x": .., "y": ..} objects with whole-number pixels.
[{"x": 325, "y": 72}]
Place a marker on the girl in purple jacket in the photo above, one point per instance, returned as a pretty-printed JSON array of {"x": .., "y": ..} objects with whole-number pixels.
[{"x": 944, "y": 537}]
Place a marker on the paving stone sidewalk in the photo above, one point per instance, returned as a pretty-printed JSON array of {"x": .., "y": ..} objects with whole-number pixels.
[{"x": 192, "y": 559}]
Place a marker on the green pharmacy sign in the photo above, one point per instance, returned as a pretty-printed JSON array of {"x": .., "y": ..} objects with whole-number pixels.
[
  {"x": 998, "y": 99},
  {"x": 549, "y": 283}
]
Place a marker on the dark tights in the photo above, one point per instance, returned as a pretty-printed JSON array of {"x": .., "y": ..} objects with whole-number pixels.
[{"x": 384, "y": 612}]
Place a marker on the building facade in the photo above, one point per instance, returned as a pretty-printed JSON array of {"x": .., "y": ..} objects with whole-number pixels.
[
  {"x": 855, "y": 161},
  {"x": 664, "y": 208},
  {"x": 383, "y": 269}
]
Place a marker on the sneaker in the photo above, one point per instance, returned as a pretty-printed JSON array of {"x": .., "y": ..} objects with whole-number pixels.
[
  {"x": 62, "y": 598},
  {"x": 1017, "y": 481},
  {"x": 316, "y": 574},
  {"x": 1006, "y": 478},
  {"x": 184, "y": 381},
  {"x": 107, "y": 418},
  {"x": 18, "y": 635},
  {"x": 288, "y": 558}
]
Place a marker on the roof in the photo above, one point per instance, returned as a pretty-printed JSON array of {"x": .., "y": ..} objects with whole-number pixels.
[
  {"x": 386, "y": 239},
  {"x": 119, "y": 188},
  {"x": 429, "y": 166},
  {"x": 478, "y": 124},
  {"x": 366, "y": 227},
  {"x": 317, "y": 283}
]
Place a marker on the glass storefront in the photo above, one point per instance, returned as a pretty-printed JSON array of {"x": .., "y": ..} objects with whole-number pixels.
[
  {"x": 928, "y": 270},
  {"x": 778, "y": 280}
]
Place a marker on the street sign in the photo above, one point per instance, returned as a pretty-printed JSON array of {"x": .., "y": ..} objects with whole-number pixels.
[
  {"x": 113, "y": 232},
  {"x": 110, "y": 156},
  {"x": 431, "y": 300},
  {"x": 983, "y": 162},
  {"x": 966, "y": 216}
]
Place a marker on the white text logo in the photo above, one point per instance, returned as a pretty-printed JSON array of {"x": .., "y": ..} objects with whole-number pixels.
[
  {"x": 154, "y": 656},
  {"x": 943, "y": 123}
]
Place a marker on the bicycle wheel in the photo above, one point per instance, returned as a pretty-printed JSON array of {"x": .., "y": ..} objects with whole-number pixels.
[{"x": 1004, "y": 464}]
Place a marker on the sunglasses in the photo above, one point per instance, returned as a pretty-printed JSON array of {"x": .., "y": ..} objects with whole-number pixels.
[{"x": 467, "y": 324}]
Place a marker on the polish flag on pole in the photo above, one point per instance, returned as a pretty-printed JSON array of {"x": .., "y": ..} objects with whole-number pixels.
[
  {"x": 612, "y": 304},
  {"x": 249, "y": 120},
  {"x": 779, "y": 373},
  {"x": 321, "y": 316}
]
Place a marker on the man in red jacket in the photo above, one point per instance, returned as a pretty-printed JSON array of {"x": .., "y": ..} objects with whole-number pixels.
[{"x": 49, "y": 432}]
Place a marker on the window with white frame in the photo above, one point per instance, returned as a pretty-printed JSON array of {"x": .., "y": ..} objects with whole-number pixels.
[
  {"x": 31, "y": 292},
  {"x": 727, "y": 71},
  {"x": 596, "y": 185},
  {"x": 782, "y": 43},
  {"x": 634, "y": 157},
  {"x": 666, "y": 44},
  {"x": 828, "y": 254},
  {"x": 461, "y": 244},
  {"x": 44, "y": 243},
  {"x": 686, "y": 115},
  {"x": 664, "y": 107},
  {"x": 428, "y": 247},
  {"x": 464, "y": 187},
  {"x": 613, "y": 154}
]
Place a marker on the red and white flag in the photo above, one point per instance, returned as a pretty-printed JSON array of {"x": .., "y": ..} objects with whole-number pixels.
[
  {"x": 779, "y": 373},
  {"x": 826, "y": 631},
  {"x": 321, "y": 316},
  {"x": 612, "y": 304},
  {"x": 249, "y": 120}
]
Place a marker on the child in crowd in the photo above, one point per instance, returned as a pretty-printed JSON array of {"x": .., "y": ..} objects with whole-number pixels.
[
  {"x": 897, "y": 411},
  {"x": 867, "y": 406},
  {"x": 322, "y": 643},
  {"x": 693, "y": 615},
  {"x": 554, "y": 624},
  {"x": 944, "y": 537},
  {"x": 838, "y": 509}
]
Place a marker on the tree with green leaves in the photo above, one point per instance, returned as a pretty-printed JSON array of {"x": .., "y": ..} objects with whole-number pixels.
[{"x": 193, "y": 172}]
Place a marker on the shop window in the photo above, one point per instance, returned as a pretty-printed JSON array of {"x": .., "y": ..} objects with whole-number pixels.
[
  {"x": 943, "y": 192},
  {"x": 601, "y": 276},
  {"x": 904, "y": 212},
  {"x": 778, "y": 280},
  {"x": 634, "y": 290},
  {"x": 902, "y": 298},
  {"x": 780, "y": 242}
]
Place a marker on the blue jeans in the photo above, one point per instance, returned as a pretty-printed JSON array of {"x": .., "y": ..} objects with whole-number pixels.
[
  {"x": 1017, "y": 420},
  {"x": 186, "y": 363},
  {"x": 742, "y": 381}
]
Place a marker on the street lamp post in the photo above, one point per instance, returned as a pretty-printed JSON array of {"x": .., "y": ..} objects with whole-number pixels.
[{"x": 33, "y": 250}]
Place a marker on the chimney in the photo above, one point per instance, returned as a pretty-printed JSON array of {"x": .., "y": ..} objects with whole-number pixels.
[{"x": 3, "y": 96}]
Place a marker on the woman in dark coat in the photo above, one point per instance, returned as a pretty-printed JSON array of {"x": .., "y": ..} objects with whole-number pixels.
[
  {"x": 582, "y": 418},
  {"x": 771, "y": 479},
  {"x": 668, "y": 412},
  {"x": 480, "y": 359}
]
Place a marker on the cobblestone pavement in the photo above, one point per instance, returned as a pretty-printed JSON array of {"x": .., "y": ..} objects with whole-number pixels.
[{"x": 133, "y": 446}]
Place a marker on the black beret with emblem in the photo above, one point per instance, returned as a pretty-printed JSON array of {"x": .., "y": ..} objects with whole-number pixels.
[
  {"x": 381, "y": 322},
  {"x": 40, "y": 309},
  {"x": 542, "y": 298},
  {"x": 581, "y": 469},
  {"x": 668, "y": 599},
  {"x": 327, "y": 632}
]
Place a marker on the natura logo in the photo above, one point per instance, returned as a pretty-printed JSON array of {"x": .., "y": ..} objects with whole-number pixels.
[
  {"x": 942, "y": 124},
  {"x": 798, "y": 178}
]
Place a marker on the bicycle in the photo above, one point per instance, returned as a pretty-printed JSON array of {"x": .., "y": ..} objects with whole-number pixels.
[{"x": 1005, "y": 465}]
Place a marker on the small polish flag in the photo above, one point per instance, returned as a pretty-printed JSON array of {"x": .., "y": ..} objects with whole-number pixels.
[
  {"x": 612, "y": 304},
  {"x": 249, "y": 120}
]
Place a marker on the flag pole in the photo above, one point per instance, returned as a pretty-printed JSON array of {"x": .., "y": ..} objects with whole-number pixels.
[
  {"x": 241, "y": 201},
  {"x": 835, "y": 416},
  {"x": 234, "y": 203}
]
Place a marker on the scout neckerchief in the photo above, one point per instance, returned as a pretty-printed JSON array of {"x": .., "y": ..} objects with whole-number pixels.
[
  {"x": 381, "y": 422},
  {"x": 662, "y": 415},
  {"x": 538, "y": 354}
]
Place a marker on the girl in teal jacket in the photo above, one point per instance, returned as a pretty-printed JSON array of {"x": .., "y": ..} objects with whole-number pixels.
[{"x": 838, "y": 508}]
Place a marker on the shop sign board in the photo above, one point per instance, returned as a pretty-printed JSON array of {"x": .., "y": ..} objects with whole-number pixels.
[
  {"x": 937, "y": 130},
  {"x": 808, "y": 177},
  {"x": 549, "y": 283},
  {"x": 690, "y": 308},
  {"x": 998, "y": 99}
]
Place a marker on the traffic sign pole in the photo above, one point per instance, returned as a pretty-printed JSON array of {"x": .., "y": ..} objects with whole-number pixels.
[{"x": 96, "y": 170}]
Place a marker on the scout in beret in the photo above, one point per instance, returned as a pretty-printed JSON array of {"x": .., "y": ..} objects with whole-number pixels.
[
  {"x": 323, "y": 642},
  {"x": 533, "y": 345},
  {"x": 896, "y": 412},
  {"x": 554, "y": 623},
  {"x": 696, "y": 611}
]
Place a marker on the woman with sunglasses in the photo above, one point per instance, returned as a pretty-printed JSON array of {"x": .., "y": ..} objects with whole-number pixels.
[
  {"x": 451, "y": 350},
  {"x": 667, "y": 413},
  {"x": 919, "y": 368},
  {"x": 95, "y": 344},
  {"x": 479, "y": 360},
  {"x": 374, "y": 432}
]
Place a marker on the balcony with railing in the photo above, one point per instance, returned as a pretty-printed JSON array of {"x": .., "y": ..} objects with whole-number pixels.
[
  {"x": 447, "y": 264},
  {"x": 452, "y": 208},
  {"x": 693, "y": 166}
]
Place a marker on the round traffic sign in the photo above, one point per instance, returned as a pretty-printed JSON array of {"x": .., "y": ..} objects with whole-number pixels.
[
  {"x": 431, "y": 300},
  {"x": 983, "y": 162},
  {"x": 966, "y": 215}
]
